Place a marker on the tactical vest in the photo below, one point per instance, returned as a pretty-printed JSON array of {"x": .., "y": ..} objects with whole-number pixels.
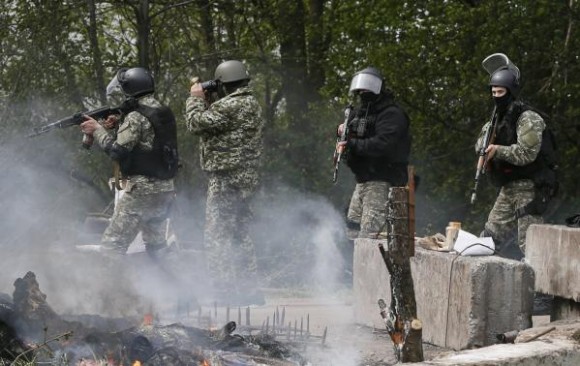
[
  {"x": 391, "y": 168},
  {"x": 541, "y": 171},
  {"x": 161, "y": 161}
]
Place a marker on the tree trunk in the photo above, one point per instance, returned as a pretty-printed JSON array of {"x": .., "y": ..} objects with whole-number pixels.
[
  {"x": 143, "y": 31},
  {"x": 317, "y": 47},
  {"x": 402, "y": 323},
  {"x": 291, "y": 34},
  {"x": 96, "y": 51},
  {"x": 207, "y": 30}
]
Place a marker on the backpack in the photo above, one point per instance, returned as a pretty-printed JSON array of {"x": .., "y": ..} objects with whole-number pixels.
[{"x": 546, "y": 182}]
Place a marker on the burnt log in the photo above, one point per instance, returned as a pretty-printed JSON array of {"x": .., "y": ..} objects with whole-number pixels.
[
  {"x": 156, "y": 345},
  {"x": 401, "y": 320}
]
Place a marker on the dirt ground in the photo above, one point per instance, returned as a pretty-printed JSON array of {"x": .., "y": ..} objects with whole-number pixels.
[{"x": 346, "y": 343}]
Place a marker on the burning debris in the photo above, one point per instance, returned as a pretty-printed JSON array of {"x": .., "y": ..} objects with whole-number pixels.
[{"x": 31, "y": 331}]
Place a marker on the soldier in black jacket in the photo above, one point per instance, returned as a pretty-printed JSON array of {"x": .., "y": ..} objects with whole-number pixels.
[{"x": 377, "y": 152}]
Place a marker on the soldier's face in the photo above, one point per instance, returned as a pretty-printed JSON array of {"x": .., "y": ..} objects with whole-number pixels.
[{"x": 498, "y": 91}]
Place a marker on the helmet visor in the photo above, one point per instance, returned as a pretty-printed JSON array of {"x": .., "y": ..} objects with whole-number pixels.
[
  {"x": 114, "y": 87},
  {"x": 365, "y": 81}
]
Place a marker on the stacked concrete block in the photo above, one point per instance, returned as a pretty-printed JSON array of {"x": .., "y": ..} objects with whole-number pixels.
[
  {"x": 554, "y": 253},
  {"x": 463, "y": 302}
]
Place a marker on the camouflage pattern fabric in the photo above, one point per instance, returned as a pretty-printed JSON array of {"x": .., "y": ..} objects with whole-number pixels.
[
  {"x": 146, "y": 201},
  {"x": 502, "y": 218},
  {"x": 529, "y": 132},
  {"x": 514, "y": 195},
  {"x": 136, "y": 130},
  {"x": 229, "y": 247},
  {"x": 138, "y": 211},
  {"x": 230, "y": 129},
  {"x": 230, "y": 133},
  {"x": 368, "y": 207}
]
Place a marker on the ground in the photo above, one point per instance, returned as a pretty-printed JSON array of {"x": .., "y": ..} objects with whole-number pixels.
[{"x": 346, "y": 344}]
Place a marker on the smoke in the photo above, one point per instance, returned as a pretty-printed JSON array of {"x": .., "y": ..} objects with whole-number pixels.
[
  {"x": 299, "y": 240},
  {"x": 44, "y": 205}
]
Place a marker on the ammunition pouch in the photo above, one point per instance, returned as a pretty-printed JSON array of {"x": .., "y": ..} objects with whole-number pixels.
[
  {"x": 573, "y": 221},
  {"x": 546, "y": 187},
  {"x": 117, "y": 152}
]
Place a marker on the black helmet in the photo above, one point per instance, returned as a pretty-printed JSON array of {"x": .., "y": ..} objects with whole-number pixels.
[
  {"x": 367, "y": 79},
  {"x": 506, "y": 78},
  {"x": 135, "y": 82}
]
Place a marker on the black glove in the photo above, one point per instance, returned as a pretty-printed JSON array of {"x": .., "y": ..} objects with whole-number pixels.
[{"x": 573, "y": 221}]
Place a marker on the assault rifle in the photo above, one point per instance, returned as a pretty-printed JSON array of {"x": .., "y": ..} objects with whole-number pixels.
[
  {"x": 343, "y": 137},
  {"x": 482, "y": 161},
  {"x": 78, "y": 118}
]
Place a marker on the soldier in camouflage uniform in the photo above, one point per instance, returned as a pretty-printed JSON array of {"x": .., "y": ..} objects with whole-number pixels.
[
  {"x": 230, "y": 131},
  {"x": 377, "y": 152},
  {"x": 513, "y": 160},
  {"x": 145, "y": 147}
]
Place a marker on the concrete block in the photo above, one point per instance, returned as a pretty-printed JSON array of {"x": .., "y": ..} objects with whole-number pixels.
[
  {"x": 559, "y": 347},
  {"x": 553, "y": 251},
  {"x": 463, "y": 302}
]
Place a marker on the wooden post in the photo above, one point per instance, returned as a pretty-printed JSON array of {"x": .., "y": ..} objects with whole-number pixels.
[
  {"x": 405, "y": 329},
  {"x": 411, "y": 209}
]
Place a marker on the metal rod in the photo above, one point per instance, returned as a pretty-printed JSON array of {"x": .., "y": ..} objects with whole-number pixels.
[{"x": 283, "y": 315}]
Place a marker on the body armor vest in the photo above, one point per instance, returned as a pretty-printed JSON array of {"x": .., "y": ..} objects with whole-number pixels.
[
  {"x": 503, "y": 172},
  {"x": 162, "y": 161},
  {"x": 392, "y": 167}
]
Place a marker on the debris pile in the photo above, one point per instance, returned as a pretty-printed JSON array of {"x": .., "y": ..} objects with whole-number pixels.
[{"x": 31, "y": 331}]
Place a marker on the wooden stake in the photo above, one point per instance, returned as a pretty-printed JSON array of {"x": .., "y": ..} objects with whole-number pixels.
[{"x": 401, "y": 317}]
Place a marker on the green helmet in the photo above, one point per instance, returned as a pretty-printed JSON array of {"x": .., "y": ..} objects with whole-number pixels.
[{"x": 231, "y": 71}]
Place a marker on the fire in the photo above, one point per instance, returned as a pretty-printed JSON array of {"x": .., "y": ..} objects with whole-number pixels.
[
  {"x": 148, "y": 319},
  {"x": 204, "y": 363},
  {"x": 137, "y": 363}
]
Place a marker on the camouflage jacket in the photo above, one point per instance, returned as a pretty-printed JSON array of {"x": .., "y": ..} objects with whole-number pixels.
[
  {"x": 529, "y": 128},
  {"x": 136, "y": 130},
  {"x": 230, "y": 130}
]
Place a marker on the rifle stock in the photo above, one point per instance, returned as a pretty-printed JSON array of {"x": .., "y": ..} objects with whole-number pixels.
[
  {"x": 482, "y": 160},
  {"x": 343, "y": 137}
]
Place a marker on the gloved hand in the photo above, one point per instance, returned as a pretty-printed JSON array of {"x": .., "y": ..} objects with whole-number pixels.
[{"x": 573, "y": 221}]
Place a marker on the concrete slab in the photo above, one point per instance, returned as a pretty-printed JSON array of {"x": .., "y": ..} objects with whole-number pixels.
[
  {"x": 463, "y": 302},
  {"x": 553, "y": 252},
  {"x": 560, "y": 347}
]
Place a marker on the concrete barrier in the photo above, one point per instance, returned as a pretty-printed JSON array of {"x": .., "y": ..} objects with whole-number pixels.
[
  {"x": 558, "y": 348},
  {"x": 553, "y": 251},
  {"x": 463, "y": 302}
]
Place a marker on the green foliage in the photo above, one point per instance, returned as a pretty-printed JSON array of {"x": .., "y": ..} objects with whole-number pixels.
[{"x": 429, "y": 51}]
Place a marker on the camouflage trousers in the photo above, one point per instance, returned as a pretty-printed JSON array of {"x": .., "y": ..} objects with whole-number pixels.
[
  {"x": 138, "y": 211},
  {"x": 229, "y": 248},
  {"x": 368, "y": 210},
  {"x": 502, "y": 218}
]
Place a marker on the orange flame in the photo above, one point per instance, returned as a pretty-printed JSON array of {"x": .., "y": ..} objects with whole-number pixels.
[
  {"x": 148, "y": 319},
  {"x": 137, "y": 363},
  {"x": 204, "y": 363}
]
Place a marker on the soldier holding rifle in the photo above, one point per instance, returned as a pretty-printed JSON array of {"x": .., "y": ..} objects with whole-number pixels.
[
  {"x": 517, "y": 160},
  {"x": 377, "y": 151},
  {"x": 145, "y": 149}
]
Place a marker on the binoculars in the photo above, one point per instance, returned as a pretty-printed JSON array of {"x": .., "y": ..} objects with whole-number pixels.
[{"x": 210, "y": 85}]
